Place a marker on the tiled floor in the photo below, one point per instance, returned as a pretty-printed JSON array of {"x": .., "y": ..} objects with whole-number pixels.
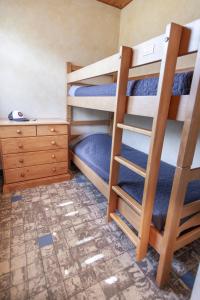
[{"x": 55, "y": 244}]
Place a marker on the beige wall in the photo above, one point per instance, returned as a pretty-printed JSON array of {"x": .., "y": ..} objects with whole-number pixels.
[
  {"x": 37, "y": 37},
  {"x": 142, "y": 20}
]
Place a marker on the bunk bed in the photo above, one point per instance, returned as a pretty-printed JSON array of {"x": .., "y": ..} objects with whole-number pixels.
[{"x": 160, "y": 201}]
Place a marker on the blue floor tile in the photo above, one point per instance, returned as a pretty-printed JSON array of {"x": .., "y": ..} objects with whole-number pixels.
[
  {"x": 16, "y": 198},
  {"x": 45, "y": 240},
  {"x": 188, "y": 279}
]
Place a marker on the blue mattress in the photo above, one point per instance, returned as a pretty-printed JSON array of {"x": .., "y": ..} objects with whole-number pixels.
[
  {"x": 144, "y": 87},
  {"x": 95, "y": 151}
]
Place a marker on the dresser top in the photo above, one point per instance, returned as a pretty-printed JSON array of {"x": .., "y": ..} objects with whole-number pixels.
[{"x": 4, "y": 122}]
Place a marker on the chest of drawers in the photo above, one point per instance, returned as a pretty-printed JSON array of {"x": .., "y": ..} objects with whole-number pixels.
[{"x": 33, "y": 153}]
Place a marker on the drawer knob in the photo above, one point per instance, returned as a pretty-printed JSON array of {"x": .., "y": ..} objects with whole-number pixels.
[
  {"x": 20, "y": 146},
  {"x": 53, "y": 143},
  {"x": 19, "y": 131},
  {"x": 22, "y": 175},
  {"x": 54, "y": 169},
  {"x": 21, "y": 160},
  {"x": 52, "y": 129},
  {"x": 53, "y": 156}
]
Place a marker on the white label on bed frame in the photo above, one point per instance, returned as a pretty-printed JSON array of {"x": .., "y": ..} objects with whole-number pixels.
[{"x": 148, "y": 50}]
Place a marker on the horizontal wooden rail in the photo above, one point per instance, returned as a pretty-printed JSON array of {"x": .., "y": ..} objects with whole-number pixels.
[
  {"x": 75, "y": 68},
  {"x": 192, "y": 222},
  {"x": 135, "y": 129},
  {"x": 137, "y": 105},
  {"x": 190, "y": 208},
  {"x": 102, "y": 67},
  {"x": 130, "y": 234},
  {"x": 90, "y": 122},
  {"x": 128, "y": 199},
  {"x": 130, "y": 165},
  {"x": 98, "y": 103},
  {"x": 187, "y": 238}
]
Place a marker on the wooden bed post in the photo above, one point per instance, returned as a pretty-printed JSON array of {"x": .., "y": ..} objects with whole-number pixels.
[
  {"x": 182, "y": 177},
  {"x": 69, "y": 108},
  {"x": 69, "y": 111},
  {"x": 121, "y": 104}
]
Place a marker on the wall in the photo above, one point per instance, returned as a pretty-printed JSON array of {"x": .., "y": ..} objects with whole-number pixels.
[
  {"x": 37, "y": 38},
  {"x": 142, "y": 20}
]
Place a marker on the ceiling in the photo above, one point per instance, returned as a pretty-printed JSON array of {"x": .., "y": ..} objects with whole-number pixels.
[{"x": 116, "y": 3}]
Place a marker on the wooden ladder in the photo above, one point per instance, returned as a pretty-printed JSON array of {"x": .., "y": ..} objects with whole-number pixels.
[{"x": 164, "y": 92}]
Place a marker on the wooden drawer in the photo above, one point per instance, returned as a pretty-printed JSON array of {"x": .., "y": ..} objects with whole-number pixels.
[
  {"x": 12, "y": 161},
  {"x": 33, "y": 172},
  {"x": 30, "y": 144},
  {"x": 17, "y": 131},
  {"x": 52, "y": 129}
]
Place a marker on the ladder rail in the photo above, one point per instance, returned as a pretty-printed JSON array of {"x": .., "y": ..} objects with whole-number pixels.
[
  {"x": 121, "y": 103},
  {"x": 165, "y": 85},
  {"x": 135, "y": 129},
  {"x": 167, "y": 72}
]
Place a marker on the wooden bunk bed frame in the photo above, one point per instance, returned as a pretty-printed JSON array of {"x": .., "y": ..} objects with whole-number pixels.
[{"x": 177, "y": 41}]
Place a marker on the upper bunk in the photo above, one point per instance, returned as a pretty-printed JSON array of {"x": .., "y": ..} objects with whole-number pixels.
[{"x": 149, "y": 52}]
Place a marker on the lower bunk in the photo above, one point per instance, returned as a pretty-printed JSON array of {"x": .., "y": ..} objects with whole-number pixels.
[{"x": 91, "y": 154}]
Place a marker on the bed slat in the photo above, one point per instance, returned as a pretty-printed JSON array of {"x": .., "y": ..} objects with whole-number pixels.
[
  {"x": 190, "y": 208},
  {"x": 130, "y": 165}
]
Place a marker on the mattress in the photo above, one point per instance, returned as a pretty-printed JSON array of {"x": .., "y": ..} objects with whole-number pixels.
[
  {"x": 144, "y": 87},
  {"x": 95, "y": 151}
]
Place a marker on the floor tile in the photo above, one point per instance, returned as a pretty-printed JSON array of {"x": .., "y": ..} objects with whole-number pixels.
[
  {"x": 95, "y": 292},
  {"x": 37, "y": 285},
  {"x": 57, "y": 292},
  {"x": 5, "y": 281},
  {"x": 40, "y": 296},
  {"x": 53, "y": 277},
  {"x": 4, "y": 267},
  {"x": 17, "y": 250},
  {"x": 48, "y": 253},
  {"x": 35, "y": 269},
  {"x": 19, "y": 292},
  {"x": 5, "y": 295},
  {"x": 45, "y": 240},
  {"x": 73, "y": 285},
  {"x": 50, "y": 263},
  {"x": 19, "y": 276},
  {"x": 18, "y": 262},
  {"x": 88, "y": 278},
  {"x": 16, "y": 198}
]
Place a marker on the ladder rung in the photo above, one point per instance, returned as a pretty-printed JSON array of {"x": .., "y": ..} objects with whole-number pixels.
[
  {"x": 135, "y": 129},
  {"x": 130, "y": 234},
  {"x": 129, "y": 164},
  {"x": 128, "y": 199}
]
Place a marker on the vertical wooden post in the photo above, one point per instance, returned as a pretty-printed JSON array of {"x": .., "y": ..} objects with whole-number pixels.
[
  {"x": 69, "y": 108},
  {"x": 121, "y": 103},
  {"x": 69, "y": 112},
  {"x": 186, "y": 153},
  {"x": 165, "y": 85}
]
